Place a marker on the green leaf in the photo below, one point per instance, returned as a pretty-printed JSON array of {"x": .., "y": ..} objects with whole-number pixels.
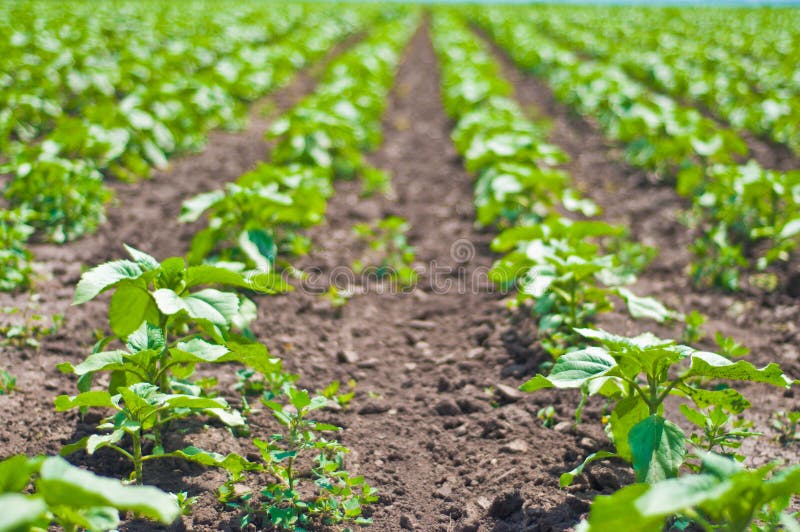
[
  {"x": 22, "y": 512},
  {"x": 573, "y": 370},
  {"x": 64, "y": 484},
  {"x": 145, "y": 261},
  {"x": 103, "y": 277},
  {"x": 194, "y": 207},
  {"x": 728, "y": 398},
  {"x": 259, "y": 246},
  {"x": 658, "y": 448},
  {"x": 567, "y": 478},
  {"x": 207, "y": 274},
  {"x": 232, "y": 463},
  {"x": 97, "y": 398},
  {"x": 645, "y": 307},
  {"x": 209, "y": 304},
  {"x": 15, "y": 473},
  {"x": 198, "y": 350},
  {"x": 705, "y": 364},
  {"x": 128, "y": 309},
  {"x": 627, "y": 413}
]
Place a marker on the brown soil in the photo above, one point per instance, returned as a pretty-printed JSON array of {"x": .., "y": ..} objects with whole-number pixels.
[{"x": 436, "y": 424}]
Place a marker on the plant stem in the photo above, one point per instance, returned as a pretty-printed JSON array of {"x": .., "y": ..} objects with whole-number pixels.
[{"x": 137, "y": 458}]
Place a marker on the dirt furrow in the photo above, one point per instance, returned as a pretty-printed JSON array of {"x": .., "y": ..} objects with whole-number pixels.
[{"x": 448, "y": 449}]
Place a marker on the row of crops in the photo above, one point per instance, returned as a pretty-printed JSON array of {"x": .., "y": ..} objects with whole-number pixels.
[{"x": 113, "y": 96}]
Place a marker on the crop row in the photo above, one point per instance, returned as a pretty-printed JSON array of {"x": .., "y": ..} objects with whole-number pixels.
[
  {"x": 746, "y": 215},
  {"x": 760, "y": 95},
  {"x": 170, "y": 318},
  {"x": 560, "y": 269},
  {"x": 119, "y": 100}
]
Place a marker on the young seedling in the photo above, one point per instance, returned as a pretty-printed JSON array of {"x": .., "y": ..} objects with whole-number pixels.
[
  {"x": 637, "y": 374},
  {"x": 8, "y": 383},
  {"x": 327, "y": 493},
  {"x": 787, "y": 425},
  {"x": 395, "y": 256},
  {"x": 722, "y": 432}
]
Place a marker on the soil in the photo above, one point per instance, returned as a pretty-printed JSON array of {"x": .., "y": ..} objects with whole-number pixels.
[{"x": 437, "y": 424}]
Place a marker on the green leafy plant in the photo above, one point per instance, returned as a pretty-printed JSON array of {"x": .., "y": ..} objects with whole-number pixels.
[
  {"x": 15, "y": 259},
  {"x": 787, "y": 426},
  {"x": 30, "y": 327},
  {"x": 38, "y": 492},
  {"x": 637, "y": 374},
  {"x": 722, "y": 432},
  {"x": 388, "y": 239},
  {"x": 559, "y": 267},
  {"x": 8, "y": 383},
  {"x": 724, "y": 496},
  {"x": 328, "y": 493},
  {"x": 693, "y": 327},
  {"x": 167, "y": 324}
]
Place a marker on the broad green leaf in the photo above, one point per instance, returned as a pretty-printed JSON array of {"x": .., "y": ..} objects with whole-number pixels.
[
  {"x": 230, "y": 417},
  {"x": 207, "y": 274},
  {"x": 104, "y": 360},
  {"x": 567, "y": 478},
  {"x": 22, "y": 512},
  {"x": 259, "y": 246},
  {"x": 645, "y": 307},
  {"x": 64, "y": 484},
  {"x": 98, "y": 441},
  {"x": 99, "y": 399},
  {"x": 15, "y": 473},
  {"x": 706, "y": 364},
  {"x": 627, "y": 413},
  {"x": 193, "y": 208},
  {"x": 728, "y": 398},
  {"x": 572, "y": 370},
  {"x": 198, "y": 350},
  {"x": 102, "y": 277},
  {"x": 145, "y": 261},
  {"x": 618, "y": 343},
  {"x": 146, "y": 337},
  {"x": 128, "y": 309},
  {"x": 232, "y": 463},
  {"x": 658, "y": 448},
  {"x": 209, "y": 304}
]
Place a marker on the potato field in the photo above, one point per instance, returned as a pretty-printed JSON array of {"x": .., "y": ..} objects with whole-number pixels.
[{"x": 382, "y": 266}]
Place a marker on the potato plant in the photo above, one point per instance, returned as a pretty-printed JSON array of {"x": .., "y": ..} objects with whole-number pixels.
[
  {"x": 637, "y": 375},
  {"x": 39, "y": 492},
  {"x": 168, "y": 325}
]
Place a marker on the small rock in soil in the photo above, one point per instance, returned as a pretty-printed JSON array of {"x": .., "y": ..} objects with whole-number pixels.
[
  {"x": 514, "y": 446},
  {"x": 563, "y": 426},
  {"x": 347, "y": 356},
  {"x": 509, "y": 393},
  {"x": 373, "y": 406},
  {"x": 447, "y": 407}
]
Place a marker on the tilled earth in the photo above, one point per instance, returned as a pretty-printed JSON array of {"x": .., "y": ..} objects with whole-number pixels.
[{"x": 437, "y": 424}]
